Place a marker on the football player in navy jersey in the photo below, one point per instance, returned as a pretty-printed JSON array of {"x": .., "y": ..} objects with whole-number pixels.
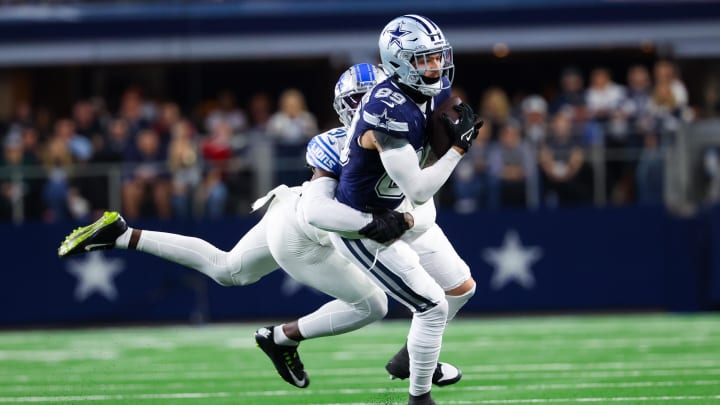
[
  {"x": 383, "y": 170},
  {"x": 283, "y": 238}
]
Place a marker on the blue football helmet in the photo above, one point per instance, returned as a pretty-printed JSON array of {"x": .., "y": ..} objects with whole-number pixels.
[
  {"x": 352, "y": 85},
  {"x": 409, "y": 39}
]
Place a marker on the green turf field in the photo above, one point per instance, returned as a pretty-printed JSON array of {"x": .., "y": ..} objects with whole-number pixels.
[{"x": 648, "y": 359}]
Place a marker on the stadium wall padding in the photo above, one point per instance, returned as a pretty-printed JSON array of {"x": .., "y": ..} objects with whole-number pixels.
[{"x": 584, "y": 259}]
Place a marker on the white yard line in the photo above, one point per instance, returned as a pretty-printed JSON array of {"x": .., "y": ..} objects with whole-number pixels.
[
  {"x": 347, "y": 391},
  {"x": 69, "y": 377},
  {"x": 119, "y": 397},
  {"x": 206, "y": 369}
]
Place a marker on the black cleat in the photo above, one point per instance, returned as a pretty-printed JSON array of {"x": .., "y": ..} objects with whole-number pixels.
[
  {"x": 424, "y": 399},
  {"x": 399, "y": 367},
  {"x": 285, "y": 358},
  {"x": 399, "y": 364},
  {"x": 99, "y": 235}
]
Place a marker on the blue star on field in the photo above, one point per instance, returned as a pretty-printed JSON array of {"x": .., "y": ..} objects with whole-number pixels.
[{"x": 396, "y": 34}]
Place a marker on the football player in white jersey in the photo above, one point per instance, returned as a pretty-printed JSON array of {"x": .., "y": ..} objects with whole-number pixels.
[
  {"x": 282, "y": 238},
  {"x": 382, "y": 170}
]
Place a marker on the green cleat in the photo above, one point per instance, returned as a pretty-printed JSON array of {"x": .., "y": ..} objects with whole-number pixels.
[
  {"x": 99, "y": 235},
  {"x": 285, "y": 358}
]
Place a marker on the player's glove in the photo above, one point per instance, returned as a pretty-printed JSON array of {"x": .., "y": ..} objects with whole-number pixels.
[
  {"x": 385, "y": 226},
  {"x": 467, "y": 127}
]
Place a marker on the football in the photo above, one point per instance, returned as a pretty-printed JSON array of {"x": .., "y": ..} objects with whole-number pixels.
[{"x": 437, "y": 136}]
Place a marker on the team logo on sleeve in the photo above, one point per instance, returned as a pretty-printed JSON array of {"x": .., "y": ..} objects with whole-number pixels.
[{"x": 383, "y": 121}]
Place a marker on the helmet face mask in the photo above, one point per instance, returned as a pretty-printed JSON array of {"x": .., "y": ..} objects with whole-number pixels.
[
  {"x": 406, "y": 46},
  {"x": 351, "y": 86}
]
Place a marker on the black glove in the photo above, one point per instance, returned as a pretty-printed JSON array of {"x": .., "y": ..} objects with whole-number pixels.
[
  {"x": 385, "y": 226},
  {"x": 466, "y": 129}
]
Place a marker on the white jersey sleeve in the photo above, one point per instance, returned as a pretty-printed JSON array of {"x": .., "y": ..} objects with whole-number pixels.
[{"x": 319, "y": 208}]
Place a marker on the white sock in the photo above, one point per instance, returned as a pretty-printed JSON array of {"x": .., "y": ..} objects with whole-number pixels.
[
  {"x": 455, "y": 302},
  {"x": 123, "y": 240},
  {"x": 280, "y": 338},
  {"x": 424, "y": 343},
  {"x": 188, "y": 251}
]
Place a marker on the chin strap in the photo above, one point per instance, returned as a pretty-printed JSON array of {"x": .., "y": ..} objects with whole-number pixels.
[{"x": 415, "y": 95}]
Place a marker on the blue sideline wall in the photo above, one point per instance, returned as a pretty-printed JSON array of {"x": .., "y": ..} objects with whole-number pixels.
[{"x": 581, "y": 259}]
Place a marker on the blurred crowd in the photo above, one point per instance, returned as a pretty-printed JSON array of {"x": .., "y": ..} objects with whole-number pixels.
[
  {"x": 165, "y": 164},
  {"x": 545, "y": 151},
  {"x": 533, "y": 151}
]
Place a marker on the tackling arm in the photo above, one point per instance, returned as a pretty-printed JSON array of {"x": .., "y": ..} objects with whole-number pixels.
[{"x": 321, "y": 210}]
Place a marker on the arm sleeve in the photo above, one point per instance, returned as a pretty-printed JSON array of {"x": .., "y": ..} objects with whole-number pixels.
[
  {"x": 320, "y": 209},
  {"x": 424, "y": 215},
  {"x": 419, "y": 185}
]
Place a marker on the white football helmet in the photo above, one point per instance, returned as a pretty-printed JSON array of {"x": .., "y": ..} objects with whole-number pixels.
[
  {"x": 407, "y": 40},
  {"x": 351, "y": 86}
]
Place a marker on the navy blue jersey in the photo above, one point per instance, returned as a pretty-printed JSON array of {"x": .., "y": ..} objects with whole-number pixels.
[{"x": 364, "y": 184}]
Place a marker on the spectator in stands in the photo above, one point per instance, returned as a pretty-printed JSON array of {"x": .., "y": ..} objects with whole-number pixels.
[
  {"x": 32, "y": 149},
  {"x": 572, "y": 91},
  {"x": 711, "y": 99},
  {"x": 666, "y": 72},
  {"x": 636, "y": 105},
  {"x": 534, "y": 118},
  {"x": 169, "y": 116},
  {"x": 495, "y": 110},
  {"x": 86, "y": 122},
  {"x": 115, "y": 144},
  {"x": 665, "y": 112},
  {"x": 649, "y": 173},
  {"x": 82, "y": 187},
  {"x": 58, "y": 162},
  {"x": 44, "y": 123},
  {"x": 562, "y": 160},
  {"x": 227, "y": 111},
  {"x": 146, "y": 176},
  {"x": 604, "y": 99},
  {"x": 131, "y": 110},
  {"x": 472, "y": 184},
  {"x": 184, "y": 166},
  {"x": 667, "y": 116},
  {"x": 604, "y": 96},
  {"x": 293, "y": 124},
  {"x": 80, "y": 147},
  {"x": 217, "y": 150},
  {"x": 513, "y": 166},
  {"x": 18, "y": 189},
  {"x": 11, "y": 192},
  {"x": 32, "y": 157},
  {"x": 291, "y": 128},
  {"x": 22, "y": 118},
  {"x": 260, "y": 107}
]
